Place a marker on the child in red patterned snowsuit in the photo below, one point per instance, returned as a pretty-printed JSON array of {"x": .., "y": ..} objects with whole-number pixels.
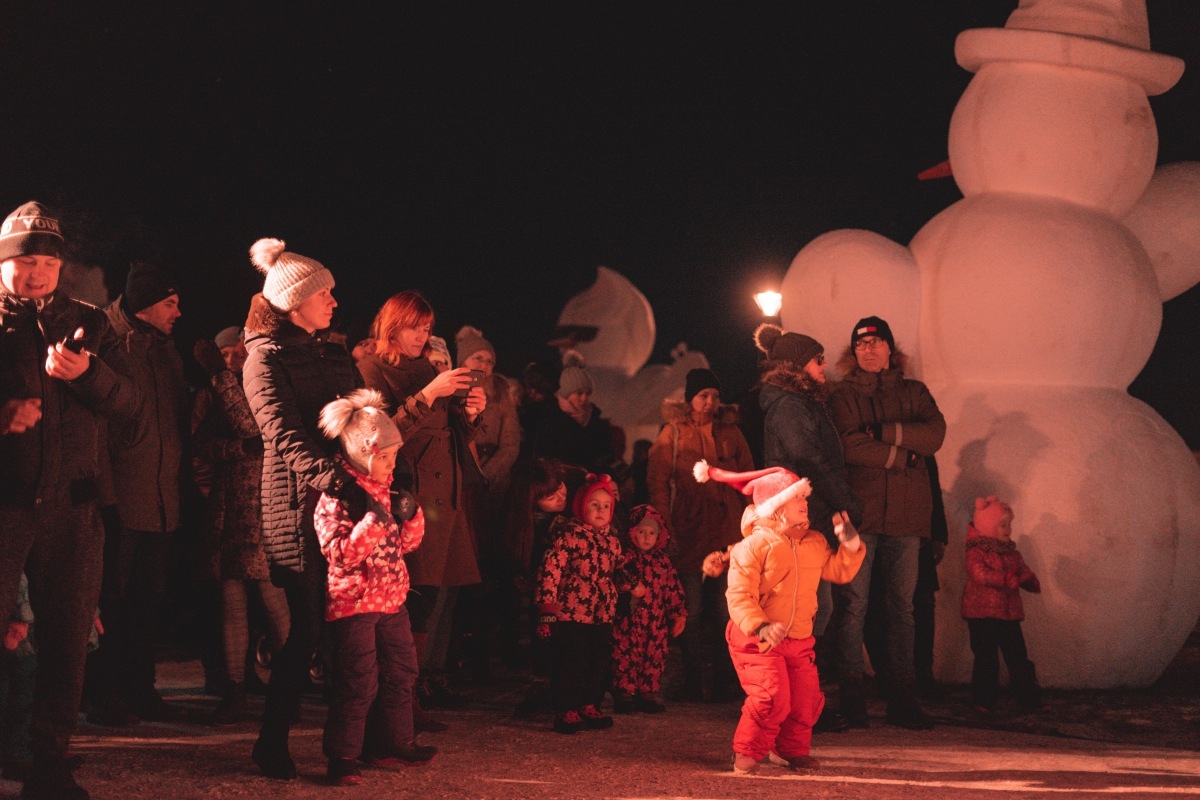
[
  {"x": 657, "y": 608},
  {"x": 364, "y": 541},
  {"x": 576, "y": 596}
]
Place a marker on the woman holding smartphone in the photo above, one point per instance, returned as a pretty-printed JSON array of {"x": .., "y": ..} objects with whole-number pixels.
[{"x": 443, "y": 410}]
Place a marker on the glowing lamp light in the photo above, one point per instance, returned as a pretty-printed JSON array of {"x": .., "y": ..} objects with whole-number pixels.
[{"x": 769, "y": 303}]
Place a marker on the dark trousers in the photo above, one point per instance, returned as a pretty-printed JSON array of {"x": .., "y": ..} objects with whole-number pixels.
[
  {"x": 374, "y": 669},
  {"x": 305, "y": 593},
  {"x": 581, "y": 654},
  {"x": 704, "y": 636},
  {"x": 989, "y": 638},
  {"x": 17, "y": 677},
  {"x": 59, "y": 546},
  {"x": 133, "y": 601}
]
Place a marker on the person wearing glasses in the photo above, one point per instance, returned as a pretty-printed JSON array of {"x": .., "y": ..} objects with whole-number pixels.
[
  {"x": 799, "y": 435},
  {"x": 888, "y": 425}
]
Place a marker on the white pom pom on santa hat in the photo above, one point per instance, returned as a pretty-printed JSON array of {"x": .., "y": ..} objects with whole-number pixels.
[{"x": 700, "y": 471}]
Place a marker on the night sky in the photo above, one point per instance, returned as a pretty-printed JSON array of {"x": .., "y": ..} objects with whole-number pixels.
[{"x": 492, "y": 155}]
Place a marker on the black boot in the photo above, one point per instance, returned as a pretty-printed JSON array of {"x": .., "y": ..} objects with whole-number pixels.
[
  {"x": 852, "y": 701},
  {"x": 904, "y": 709}
]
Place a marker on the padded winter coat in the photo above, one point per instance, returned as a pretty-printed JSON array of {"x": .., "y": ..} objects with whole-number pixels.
[
  {"x": 290, "y": 375},
  {"x": 996, "y": 573},
  {"x": 895, "y": 490},
  {"x": 146, "y": 470},
  {"x": 58, "y": 461},
  {"x": 774, "y": 577},
  {"x": 704, "y": 516},
  {"x": 799, "y": 436}
]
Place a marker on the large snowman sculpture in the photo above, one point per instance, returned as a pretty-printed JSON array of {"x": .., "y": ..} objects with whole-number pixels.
[{"x": 1029, "y": 306}]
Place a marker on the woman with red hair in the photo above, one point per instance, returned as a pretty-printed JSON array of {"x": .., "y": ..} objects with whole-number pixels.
[{"x": 443, "y": 411}]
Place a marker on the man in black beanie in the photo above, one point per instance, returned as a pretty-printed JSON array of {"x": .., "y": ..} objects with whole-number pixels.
[
  {"x": 61, "y": 379},
  {"x": 146, "y": 479}
]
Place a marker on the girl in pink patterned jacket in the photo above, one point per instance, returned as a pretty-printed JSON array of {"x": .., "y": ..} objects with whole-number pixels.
[{"x": 364, "y": 541}]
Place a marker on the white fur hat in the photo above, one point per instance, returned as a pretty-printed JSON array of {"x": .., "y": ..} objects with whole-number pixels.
[
  {"x": 291, "y": 278},
  {"x": 360, "y": 424}
]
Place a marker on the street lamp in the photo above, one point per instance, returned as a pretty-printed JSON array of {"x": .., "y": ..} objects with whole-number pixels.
[{"x": 769, "y": 303}]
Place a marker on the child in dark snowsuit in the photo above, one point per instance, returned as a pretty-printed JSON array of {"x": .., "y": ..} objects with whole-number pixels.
[
  {"x": 992, "y": 607},
  {"x": 656, "y": 609}
]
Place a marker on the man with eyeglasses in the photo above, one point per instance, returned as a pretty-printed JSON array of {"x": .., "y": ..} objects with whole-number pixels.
[{"x": 889, "y": 424}]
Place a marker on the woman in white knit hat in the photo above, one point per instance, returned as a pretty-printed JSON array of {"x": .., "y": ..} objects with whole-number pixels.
[{"x": 295, "y": 365}]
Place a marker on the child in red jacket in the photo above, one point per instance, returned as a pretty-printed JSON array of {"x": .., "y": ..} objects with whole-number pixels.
[
  {"x": 992, "y": 607},
  {"x": 374, "y": 660},
  {"x": 656, "y": 610},
  {"x": 576, "y": 596}
]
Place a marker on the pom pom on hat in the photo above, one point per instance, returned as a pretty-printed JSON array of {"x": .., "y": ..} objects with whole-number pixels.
[
  {"x": 771, "y": 488},
  {"x": 291, "y": 278},
  {"x": 574, "y": 378},
  {"x": 778, "y": 345},
  {"x": 361, "y": 426}
]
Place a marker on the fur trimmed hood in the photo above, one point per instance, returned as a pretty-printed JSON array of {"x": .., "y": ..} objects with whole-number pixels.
[
  {"x": 847, "y": 363},
  {"x": 263, "y": 320},
  {"x": 784, "y": 375},
  {"x": 677, "y": 411}
]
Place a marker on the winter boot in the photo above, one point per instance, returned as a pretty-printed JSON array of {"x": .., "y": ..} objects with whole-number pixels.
[{"x": 852, "y": 698}]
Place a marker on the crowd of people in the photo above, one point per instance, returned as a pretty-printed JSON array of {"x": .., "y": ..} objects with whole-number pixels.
[{"x": 401, "y": 514}]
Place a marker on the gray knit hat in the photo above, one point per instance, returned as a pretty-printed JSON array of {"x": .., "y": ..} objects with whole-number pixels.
[
  {"x": 574, "y": 379},
  {"x": 469, "y": 341},
  {"x": 291, "y": 278},
  {"x": 777, "y": 345},
  {"x": 361, "y": 426},
  {"x": 228, "y": 337}
]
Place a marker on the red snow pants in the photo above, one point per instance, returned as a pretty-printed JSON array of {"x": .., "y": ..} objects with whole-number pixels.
[{"x": 783, "y": 695}]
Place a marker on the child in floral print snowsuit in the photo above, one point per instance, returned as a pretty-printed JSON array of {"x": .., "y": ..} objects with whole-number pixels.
[
  {"x": 657, "y": 608},
  {"x": 364, "y": 540},
  {"x": 577, "y": 596}
]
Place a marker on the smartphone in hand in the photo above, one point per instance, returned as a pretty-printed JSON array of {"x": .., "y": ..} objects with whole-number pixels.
[{"x": 476, "y": 376}]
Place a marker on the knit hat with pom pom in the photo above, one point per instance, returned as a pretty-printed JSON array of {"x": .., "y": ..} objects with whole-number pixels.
[
  {"x": 989, "y": 513},
  {"x": 574, "y": 378},
  {"x": 469, "y": 341},
  {"x": 779, "y": 346},
  {"x": 361, "y": 426},
  {"x": 770, "y": 488},
  {"x": 291, "y": 278},
  {"x": 591, "y": 485}
]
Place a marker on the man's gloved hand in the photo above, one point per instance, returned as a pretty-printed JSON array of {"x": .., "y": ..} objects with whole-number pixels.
[
  {"x": 208, "y": 357},
  {"x": 404, "y": 505}
]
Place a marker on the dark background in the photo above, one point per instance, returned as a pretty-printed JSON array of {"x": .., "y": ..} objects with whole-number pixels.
[{"x": 492, "y": 155}]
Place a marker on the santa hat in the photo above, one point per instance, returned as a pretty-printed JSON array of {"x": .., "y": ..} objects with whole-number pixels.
[
  {"x": 989, "y": 513},
  {"x": 770, "y": 488}
]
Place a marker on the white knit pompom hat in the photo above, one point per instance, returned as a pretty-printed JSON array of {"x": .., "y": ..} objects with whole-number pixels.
[
  {"x": 291, "y": 278},
  {"x": 361, "y": 425}
]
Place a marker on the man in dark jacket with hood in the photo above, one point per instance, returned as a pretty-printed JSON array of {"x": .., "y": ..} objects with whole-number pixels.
[
  {"x": 146, "y": 481},
  {"x": 60, "y": 358}
]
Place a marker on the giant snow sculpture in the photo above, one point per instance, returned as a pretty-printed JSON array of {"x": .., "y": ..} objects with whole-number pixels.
[{"x": 1030, "y": 306}]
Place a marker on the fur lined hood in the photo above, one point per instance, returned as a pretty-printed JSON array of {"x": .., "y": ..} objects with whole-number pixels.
[
  {"x": 784, "y": 375},
  {"x": 264, "y": 321},
  {"x": 847, "y": 363},
  {"x": 677, "y": 412}
]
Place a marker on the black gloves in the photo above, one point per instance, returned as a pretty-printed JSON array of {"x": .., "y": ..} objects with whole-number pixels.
[
  {"x": 404, "y": 506},
  {"x": 353, "y": 496}
]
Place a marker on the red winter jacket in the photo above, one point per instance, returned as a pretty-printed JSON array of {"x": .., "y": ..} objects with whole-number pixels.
[{"x": 996, "y": 573}]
